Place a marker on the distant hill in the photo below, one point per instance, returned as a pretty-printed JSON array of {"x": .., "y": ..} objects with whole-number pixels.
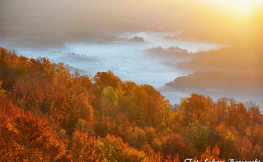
[{"x": 230, "y": 68}]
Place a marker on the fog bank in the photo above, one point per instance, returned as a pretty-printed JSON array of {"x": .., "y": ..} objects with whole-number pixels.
[
  {"x": 129, "y": 61},
  {"x": 126, "y": 59}
]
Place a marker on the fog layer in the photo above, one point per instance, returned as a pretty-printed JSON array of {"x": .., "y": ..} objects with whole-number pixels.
[{"x": 127, "y": 59}]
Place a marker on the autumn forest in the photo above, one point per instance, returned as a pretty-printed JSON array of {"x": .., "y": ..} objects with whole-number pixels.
[
  {"x": 131, "y": 81},
  {"x": 49, "y": 114}
]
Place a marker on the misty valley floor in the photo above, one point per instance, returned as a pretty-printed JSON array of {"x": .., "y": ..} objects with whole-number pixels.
[{"x": 128, "y": 61}]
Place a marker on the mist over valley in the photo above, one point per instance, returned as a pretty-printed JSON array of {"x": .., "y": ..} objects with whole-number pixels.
[{"x": 145, "y": 42}]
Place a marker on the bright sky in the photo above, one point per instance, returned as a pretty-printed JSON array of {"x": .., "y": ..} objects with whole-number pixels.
[{"x": 240, "y": 7}]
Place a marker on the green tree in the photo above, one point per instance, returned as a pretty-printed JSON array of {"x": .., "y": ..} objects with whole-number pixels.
[{"x": 110, "y": 95}]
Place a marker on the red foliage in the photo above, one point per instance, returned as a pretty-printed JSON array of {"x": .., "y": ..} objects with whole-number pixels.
[{"x": 25, "y": 137}]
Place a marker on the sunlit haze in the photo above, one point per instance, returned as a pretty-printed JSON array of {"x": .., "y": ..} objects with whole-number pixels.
[{"x": 239, "y": 7}]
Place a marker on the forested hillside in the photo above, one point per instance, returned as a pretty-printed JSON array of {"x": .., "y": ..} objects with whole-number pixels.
[
  {"x": 50, "y": 114},
  {"x": 229, "y": 68}
]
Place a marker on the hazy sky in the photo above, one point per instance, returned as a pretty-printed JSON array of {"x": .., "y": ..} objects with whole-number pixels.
[{"x": 237, "y": 6}]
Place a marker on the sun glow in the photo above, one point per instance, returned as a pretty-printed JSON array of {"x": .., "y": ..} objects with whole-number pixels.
[{"x": 240, "y": 7}]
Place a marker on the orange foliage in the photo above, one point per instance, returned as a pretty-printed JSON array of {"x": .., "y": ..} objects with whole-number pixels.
[
  {"x": 211, "y": 155},
  {"x": 85, "y": 148},
  {"x": 113, "y": 149},
  {"x": 194, "y": 105},
  {"x": 25, "y": 137},
  {"x": 174, "y": 144},
  {"x": 79, "y": 110}
]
